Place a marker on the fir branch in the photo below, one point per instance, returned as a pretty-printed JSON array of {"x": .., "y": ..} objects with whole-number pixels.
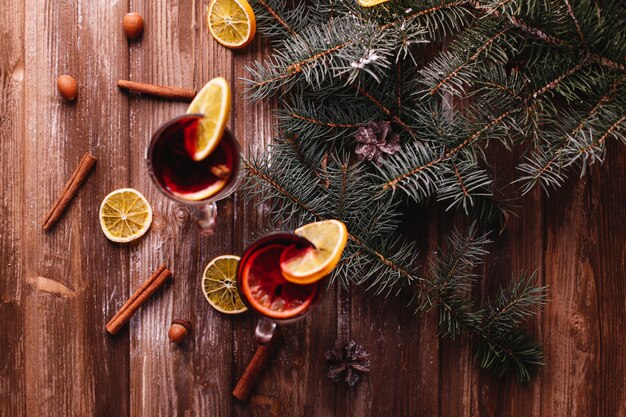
[
  {"x": 392, "y": 183},
  {"x": 570, "y": 11},
  {"x": 541, "y": 34},
  {"x": 395, "y": 118},
  {"x": 605, "y": 135},
  {"x": 255, "y": 172},
  {"x": 515, "y": 351},
  {"x": 411, "y": 170},
  {"x": 472, "y": 58},
  {"x": 546, "y": 166},
  {"x": 511, "y": 307},
  {"x": 419, "y": 13},
  {"x": 325, "y": 123},
  {"x": 276, "y": 15}
]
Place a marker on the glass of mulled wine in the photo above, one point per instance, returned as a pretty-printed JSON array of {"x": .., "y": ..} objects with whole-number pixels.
[
  {"x": 264, "y": 289},
  {"x": 196, "y": 183}
]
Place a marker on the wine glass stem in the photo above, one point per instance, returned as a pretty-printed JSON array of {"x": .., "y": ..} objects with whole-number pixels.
[
  {"x": 207, "y": 219},
  {"x": 264, "y": 330}
]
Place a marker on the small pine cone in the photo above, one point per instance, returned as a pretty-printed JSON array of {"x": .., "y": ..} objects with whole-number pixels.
[
  {"x": 374, "y": 141},
  {"x": 347, "y": 363}
]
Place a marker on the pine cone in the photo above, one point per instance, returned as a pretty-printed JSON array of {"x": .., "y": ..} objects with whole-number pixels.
[
  {"x": 374, "y": 142},
  {"x": 347, "y": 362}
]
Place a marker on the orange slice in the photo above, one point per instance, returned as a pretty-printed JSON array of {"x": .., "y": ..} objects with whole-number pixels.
[
  {"x": 213, "y": 101},
  {"x": 305, "y": 266},
  {"x": 370, "y": 3}
]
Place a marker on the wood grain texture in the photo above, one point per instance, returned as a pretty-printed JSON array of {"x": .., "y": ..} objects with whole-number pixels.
[
  {"x": 60, "y": 288},
  {"x": 12, "y": 298}
]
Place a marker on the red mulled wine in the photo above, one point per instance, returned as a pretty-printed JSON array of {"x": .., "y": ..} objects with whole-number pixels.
[{"x": 179, "y": 175}]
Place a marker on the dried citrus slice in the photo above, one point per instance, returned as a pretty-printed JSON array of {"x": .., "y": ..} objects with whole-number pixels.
[
  {"x": 125, "y": 215},
  {"x": 213, "y": 101},
  {"x": 219, "y": 285},
  {"x": 266, "y": 289},
  {"x": 370, "y": 3},
  {"x": 231, "y": 22},
  {"x": 304, "y": 266}
]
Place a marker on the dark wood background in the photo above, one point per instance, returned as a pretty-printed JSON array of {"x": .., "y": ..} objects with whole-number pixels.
[{"x": 59, "y": 288}]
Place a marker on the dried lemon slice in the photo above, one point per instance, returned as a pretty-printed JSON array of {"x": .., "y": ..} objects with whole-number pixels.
[
  {"x": 219, "y": 285},
  {"x": 231, "y": 22},
  {"x": 125, "y": 215}
]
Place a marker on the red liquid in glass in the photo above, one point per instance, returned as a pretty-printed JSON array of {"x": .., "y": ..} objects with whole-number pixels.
[
  {"x": 175, "y": 170},
  {"x": 263, "y": 286}
]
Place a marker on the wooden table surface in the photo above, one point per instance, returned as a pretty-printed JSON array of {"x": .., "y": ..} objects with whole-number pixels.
[{"x": 59, "y": 288}]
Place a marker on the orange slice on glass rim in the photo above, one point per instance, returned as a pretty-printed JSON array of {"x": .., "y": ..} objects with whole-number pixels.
[
  {"x": 213, "y": 101},
  {"x": 305, "y": 266},
  {"x": 370, "y": 3}
]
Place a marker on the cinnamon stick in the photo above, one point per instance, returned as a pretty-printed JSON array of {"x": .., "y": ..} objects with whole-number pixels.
[
  {"x": 164, "y": 91},
  {"x": 147, "y": 289},
  {"x": 254, "y": 369},
  {"x": 221, "y": 171},
  {"x": 79, "y": 175}
]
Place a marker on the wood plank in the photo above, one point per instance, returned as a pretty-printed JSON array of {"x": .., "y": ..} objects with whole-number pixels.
[
  {"x": 403, "y": 347},
  {"x": 12, "y": 119},
  {"x": 571, "y": 321},
  {"x": 295, "y": 380},
  {"x": 193, "y": 379},
  {"x": 71, "y": 272},
  {"x": 608, "y": 261},
  {"x": 252, "y": 126},
  {"x": 585, "y": 255},
  {"x": 517, "y": 252}
]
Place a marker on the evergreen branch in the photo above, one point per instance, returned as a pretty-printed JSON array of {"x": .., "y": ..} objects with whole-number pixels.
[
  {"x": 503, "y": 346},
  {"x": 297, "y": 66},
  {"x": 468, "y": 182},
  {"x": 277, "y": 16},
  {"x": 253, "y": 171},
  {"x": 301, "y": 156},
  {"x": 604, "y": 136},
  {"x": 276, "y": 20},
  {"x": 385, "y": 110},
  {"x": 399, "y": 88},
  {"x": 460, "y": 179},
  {"x": 510, "y": 308},
  {"x": 570, "y": 11},
  {"x": 393, "y": 182},
  {"x": 287, "y": 74},
  {"x": 325, "y": 123},
  {"x": 471, "y": 59},
  {"x": 540, "y": 34},
  {"x": 432, "y": 10},
  {"x": 541, "y": 170},
  {"x": 513, "y": 350},
  {"x": 554, "y": 83}
]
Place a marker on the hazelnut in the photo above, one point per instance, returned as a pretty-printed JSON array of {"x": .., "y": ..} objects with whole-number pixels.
[
  {"x": 179, "y": 330},
  {"x": 67, "y": 87},
  {"x": 132, "y": 23}
]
